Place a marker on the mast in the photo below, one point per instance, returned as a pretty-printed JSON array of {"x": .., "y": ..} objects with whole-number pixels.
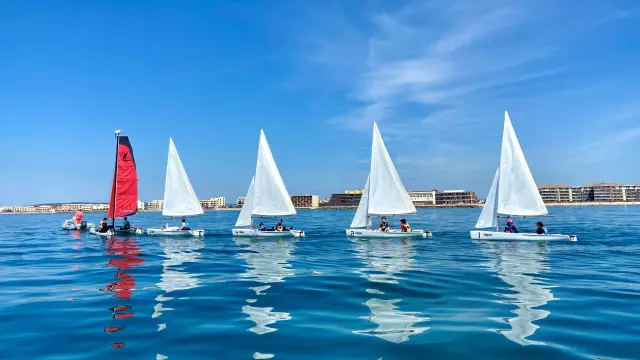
[{"x": 115, "y": 178}]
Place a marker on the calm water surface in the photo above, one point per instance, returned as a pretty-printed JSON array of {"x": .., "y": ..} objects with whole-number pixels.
[{"x": 68, "y": 295}]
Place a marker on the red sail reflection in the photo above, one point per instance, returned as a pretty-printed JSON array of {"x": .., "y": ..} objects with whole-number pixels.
[{"x": 127, "y": 251}]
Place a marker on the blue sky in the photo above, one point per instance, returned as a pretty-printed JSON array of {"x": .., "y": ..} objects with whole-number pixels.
[{"x": 436, "y": 75}]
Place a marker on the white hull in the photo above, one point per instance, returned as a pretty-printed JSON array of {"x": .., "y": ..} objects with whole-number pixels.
[
  {"x": 95, "y": 232},
  {"x": 371, "y": 233},
  {"x": 71, "y": 225},
  {"x": 496, "y": 235},
  {"x": 258, "y": 233},
  {"x": 132, "y": 231},
  {"x": 174, "y": 231}
]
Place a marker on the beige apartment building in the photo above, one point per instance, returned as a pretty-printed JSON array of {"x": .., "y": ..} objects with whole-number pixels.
[
  {"x": 155, "y": 205},
  {"x": 598, "y": 192},
  {"x": 305, "y": 201},
  {"x": 213, "y": 203}
]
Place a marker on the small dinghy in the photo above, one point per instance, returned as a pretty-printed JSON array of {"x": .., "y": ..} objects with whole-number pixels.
[
  {"x": 267, "y": 197},
  {"x": 71, "y": 224},
  {"x": 180, "y": 201},
  {"x": 513, "y": 193},
  {"x": 123, "y": 201},
  {"x": 384, "y": 194}
]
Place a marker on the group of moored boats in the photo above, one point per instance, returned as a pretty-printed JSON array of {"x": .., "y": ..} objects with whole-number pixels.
[{"x": 513, "y": 193}]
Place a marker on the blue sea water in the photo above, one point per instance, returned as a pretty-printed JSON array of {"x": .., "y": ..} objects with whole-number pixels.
[{"x": 69, "y": 295}]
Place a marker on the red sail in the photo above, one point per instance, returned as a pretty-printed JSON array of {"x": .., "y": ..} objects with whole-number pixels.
[{"x": 125, "y": 182}]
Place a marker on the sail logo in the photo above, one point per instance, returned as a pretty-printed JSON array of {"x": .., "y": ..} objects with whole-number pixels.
[{"x": 125, "y": 157}]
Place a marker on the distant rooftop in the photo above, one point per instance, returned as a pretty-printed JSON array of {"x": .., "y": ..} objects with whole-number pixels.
[
  {"x": 553, "y": 186},
  {"x": 604, "y": 184}
]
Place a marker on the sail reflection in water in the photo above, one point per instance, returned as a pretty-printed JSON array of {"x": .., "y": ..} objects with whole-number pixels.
[
  {"x": 127, "y": 252},
  {"x": 516, "y": 264},
  {"x": 385, "y": 259},
  {"x": 174, "y": 277},
  {"x": 267, "y": 263}
]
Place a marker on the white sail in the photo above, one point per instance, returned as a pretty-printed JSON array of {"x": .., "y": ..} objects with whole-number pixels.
[
  {"x": 270, "y": 195},
  {"x": 362, "y": 219},
  {"x": 387, "y": 195},
  {"x": 517, "y": 191},
  {"x": 488, "y": 216},
  {"x": 244, "y": 219},
  {"x": 179, "y": 197}
]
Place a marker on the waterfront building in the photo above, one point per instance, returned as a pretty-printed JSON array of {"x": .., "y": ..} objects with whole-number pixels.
[
  {"x": 213, "y": 203},
  {"x": 557, "y": 193},
  {"x": 141, "y": 205},
  {"x": 155, "y": 205},
  {"x": 83, "y": 207},
  {"x": 456, "y": 197},
  {"x": 344, "y": 199},
  {"x": 354, "y": 192},
  {"x": 240, "y": 201},
  {"x": 305, "y": 201},
  {"x": 422, "y": 197}
]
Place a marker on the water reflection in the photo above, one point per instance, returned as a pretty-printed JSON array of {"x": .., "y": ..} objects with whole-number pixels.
[
  {"x": 517, "y": 264},
  {"x": 267, "y": 263},
  {"x": 125, "y": 252},
  {"x": 385, "y": 259},
  {"x": 174, "y": 276}
]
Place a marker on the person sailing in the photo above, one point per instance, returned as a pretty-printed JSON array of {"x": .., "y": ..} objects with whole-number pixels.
[
  {"x": 261, "y": 227},
  {"x": 510, "y": 228},
  {"x": 404, "y": 227},
  {"x": 126, "y": 225},
  {"x": 280, "y": 226},
  {"x": 541, "y": 230},
  {"x": 185, "y": 225},
  {"x": 103, "y": 226},
  {"x": 384, "y": 225}
]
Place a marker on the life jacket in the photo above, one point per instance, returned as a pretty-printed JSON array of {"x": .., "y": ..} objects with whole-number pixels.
[
  {"x": 78, "y": 216},
  {"x": 127, "y": 225},
  {"x": 187, "y": 226},
  {"x": 384, "y": 225},
  {"x": 279, "y": 227},
  {"x": 405, "y": 227}
]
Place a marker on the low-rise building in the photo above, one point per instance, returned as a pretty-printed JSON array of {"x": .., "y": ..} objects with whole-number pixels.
[
  {"x": 422, "y": 197},
  {"x": 213, "y": 203},
  {"x": 83, "y": 207},
  {"x": 456, "y": 197},
  {"x": 554, "y": 193},
  {"x": 141, "y": 205},
  {"x": 305, "y": 201},
  {"x": 344, "y": 199},
  {"x": 155, "y": 205}
]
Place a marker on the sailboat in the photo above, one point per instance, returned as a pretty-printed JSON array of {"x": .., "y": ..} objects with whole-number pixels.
[
  {"x": 179, "y": 198},
  {"x": 124, "y": 189},
  {"x": 383, "y": 194},
  {"x": 513, "y": 193},
  {"x": 267, "y": 197}
]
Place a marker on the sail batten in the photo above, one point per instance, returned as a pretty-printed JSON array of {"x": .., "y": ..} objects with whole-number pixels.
[
  {"x": 124, "y": 187},
  {"x": 387, "y": 194},
  {"x": 270, "y": 196},
  {"x": 517, "y": 191},
  {"x": 179, "y": 197}
]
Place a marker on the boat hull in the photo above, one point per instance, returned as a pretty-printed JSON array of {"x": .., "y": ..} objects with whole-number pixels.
[
  {"x": 502, "y": 236},
  {"x": 174, "y": 231},
  {"x": 71, "y": 225},
  {"x": 131, "y": 231},
  {"x": 257, "y": 233},
  {"x": 95, "y": 232},
  {"x": 371, "y": 233}
]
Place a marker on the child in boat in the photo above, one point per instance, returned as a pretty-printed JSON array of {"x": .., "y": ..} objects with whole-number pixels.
[
  {"x": 103, "y": 226},
  {"x": 261, "y": 227},
  {"x": 126, "y": 225},
  {"x": 280, "y": 226},
  {"x": 510, "y": 228},
  {"x": 185, "y": 225},
  {"x": 541, "y": 230},
  {"x": 384, "y": 225},
  {"x": 404, "y": 227}
]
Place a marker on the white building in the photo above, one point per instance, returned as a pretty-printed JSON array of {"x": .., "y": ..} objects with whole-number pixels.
[
  {"x": 141, "y": 205},
  {"x": 422, "y": 197},
  {"x": 83, "y": 207},
  {"x": 155, "y": 205},
  {"x": 213, "y": 203}
]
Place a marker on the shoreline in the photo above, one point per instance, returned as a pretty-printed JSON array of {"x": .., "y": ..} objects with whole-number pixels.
[{"x": 460, "y": 206}]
